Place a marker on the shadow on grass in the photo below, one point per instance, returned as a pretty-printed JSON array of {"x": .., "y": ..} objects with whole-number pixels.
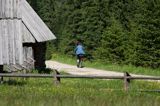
[
  {"x": 45, "y": 71},
  {"x": 15, "y": 82},
  {"x": 156, "y": 90}
]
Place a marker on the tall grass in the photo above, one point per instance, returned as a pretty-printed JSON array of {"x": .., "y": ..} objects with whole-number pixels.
[
  {"x": 111, "y": 67},
  {"x": 77, "y": 92}
]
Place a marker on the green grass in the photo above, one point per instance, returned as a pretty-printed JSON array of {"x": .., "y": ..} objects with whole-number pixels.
[
  {"x": 77, "y": 92},
  {"x": 111, "y": 67}
]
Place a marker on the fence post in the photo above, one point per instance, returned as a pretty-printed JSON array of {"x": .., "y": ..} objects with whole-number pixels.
[
  {"x": 126, "y": 81},
  {"x": 1, "y": 71},
  {"x": 56, "y": 79}
]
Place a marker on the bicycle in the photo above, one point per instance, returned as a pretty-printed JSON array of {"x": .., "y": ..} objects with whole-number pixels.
[{"x": 80, "y": 59}]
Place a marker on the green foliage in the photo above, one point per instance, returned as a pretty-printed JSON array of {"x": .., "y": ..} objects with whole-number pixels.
[
  {"x": 113, "y": 31},
  {"x": 113, "y": 44},
  {"x": 148, "y": 53}
]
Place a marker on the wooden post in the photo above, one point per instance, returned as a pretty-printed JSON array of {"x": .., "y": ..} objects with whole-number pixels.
[
  {"x": 56, "y": 79},
  {"x": 126, "y": 81},
  {"x": 1, "y": 71}
]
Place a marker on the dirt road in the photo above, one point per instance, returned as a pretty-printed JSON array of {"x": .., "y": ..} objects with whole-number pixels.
[{"x": 71, "y": 69}]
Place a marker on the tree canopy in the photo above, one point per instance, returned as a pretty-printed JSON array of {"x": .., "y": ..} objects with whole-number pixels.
[{"x": 112, "y": 31}]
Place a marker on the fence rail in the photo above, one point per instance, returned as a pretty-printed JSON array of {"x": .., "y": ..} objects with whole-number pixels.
[{"x": 57, "y": 77}]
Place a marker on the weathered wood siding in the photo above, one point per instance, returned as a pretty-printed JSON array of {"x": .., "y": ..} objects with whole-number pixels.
[
  {"x": 28, "y": 57},
  {"x": 28, "y": 53},
  {"x": 19, "y": 25},
  {"x": 11, "y": 50},
  {"x": 10, "y": 9},
  {"x": 35, "y": 24},
  {"x": 27, "y": 36}
]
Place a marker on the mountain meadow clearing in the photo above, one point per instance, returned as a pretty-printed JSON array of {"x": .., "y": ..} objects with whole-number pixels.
[{"x": 118, "y": 35}]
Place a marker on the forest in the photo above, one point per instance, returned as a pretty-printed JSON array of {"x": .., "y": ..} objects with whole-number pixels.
[{"x": 112, "y": 31}]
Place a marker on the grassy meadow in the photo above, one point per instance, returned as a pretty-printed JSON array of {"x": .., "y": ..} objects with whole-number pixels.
[
  {"x": 81, "y": 92},
  {"x": 77, "y": 92}
]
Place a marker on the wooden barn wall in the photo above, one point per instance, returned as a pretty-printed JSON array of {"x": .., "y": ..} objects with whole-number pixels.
[
  {"x": 19, "y": 24},
  {"x": 10, "y": 9},
  {"x": 27, "y": 53},
  {"x": 28, "y": 57},
  {"x": 35, "y": 24},
  {"x": 11, "y": 50},
  {"x": 27, "y": 36}
]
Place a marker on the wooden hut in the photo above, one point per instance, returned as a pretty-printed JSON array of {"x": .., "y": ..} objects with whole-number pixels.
[{"x": 22, "y": 35}]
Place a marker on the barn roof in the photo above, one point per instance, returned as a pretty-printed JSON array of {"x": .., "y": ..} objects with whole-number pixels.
[
  {"x": 35, "y": 24},
  {"x": 19, "y": 24},
  {"x": 20, "y": 9}
]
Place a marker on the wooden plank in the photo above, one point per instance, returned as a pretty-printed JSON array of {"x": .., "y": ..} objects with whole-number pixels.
[
  {"x": 27, "y": 21},
  {"x": 18, "y": 9},
  {"x": 37, "y": 20},
  {"x": 34, "y": 17},
  {"x": 3, "y": 8},
  {"x": 5, "y": 47},
  {"x": 1, "y": 55},
  {"x": 11, "y": 38},
  {"x": 14, "y": 9},
  {"x": 12, "y": 41},
  {"x": 27, "y": 36},
  {"x": 126, "y": 81},
  {"x": 24, "y": 53},
  {"x": 78, "y": 76},
  {"x": 27, "y": 55},
  {"x": 14, "y": 51},
  {"x": 6, "y": 9},
  {"x": 0, "y": 8},
  {"x": 19, "y": 41},
  {"x": 56, "y": 79},
  {"x": 34, "y": 23},
  {"x": 27, "y": 51},
  {"x": 8, "y": 39},
  {"x": 10, "y": 8},
  {"x": 16, "y": 34}
]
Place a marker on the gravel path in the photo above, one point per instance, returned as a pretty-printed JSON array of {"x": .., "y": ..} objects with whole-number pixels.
[{"x": 71, "y": 69}]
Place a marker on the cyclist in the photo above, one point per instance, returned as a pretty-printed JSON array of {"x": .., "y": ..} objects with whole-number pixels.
[{"x": 79, "y": 50}]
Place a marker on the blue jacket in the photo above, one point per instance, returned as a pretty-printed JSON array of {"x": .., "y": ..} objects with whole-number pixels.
[{"x": 79, "y": 50}]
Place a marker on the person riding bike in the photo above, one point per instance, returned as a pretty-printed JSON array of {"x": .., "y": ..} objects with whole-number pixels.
[{"x": 79, "y": 50}]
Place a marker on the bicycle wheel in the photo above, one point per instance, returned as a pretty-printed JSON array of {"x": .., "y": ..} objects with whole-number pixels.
[{"x": 80, "y": 64}]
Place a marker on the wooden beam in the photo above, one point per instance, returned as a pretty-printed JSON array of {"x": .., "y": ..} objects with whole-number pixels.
[
  {"x": 76, "y": 76},
  {"x": 56, "y": 79},
  {"x": 126, "y": 81}
]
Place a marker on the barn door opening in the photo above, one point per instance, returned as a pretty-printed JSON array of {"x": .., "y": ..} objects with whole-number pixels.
[{"x": 39, "y": 56}]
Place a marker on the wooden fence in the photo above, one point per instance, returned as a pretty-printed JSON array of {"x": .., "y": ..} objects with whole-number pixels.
[{"x": 57, "y": 77}]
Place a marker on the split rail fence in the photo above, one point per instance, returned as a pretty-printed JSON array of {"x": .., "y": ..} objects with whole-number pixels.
[{"x": 57, "y": 77}]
